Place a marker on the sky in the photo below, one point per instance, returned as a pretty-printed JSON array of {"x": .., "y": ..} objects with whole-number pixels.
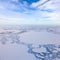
[{"x": 17, "y": 12}]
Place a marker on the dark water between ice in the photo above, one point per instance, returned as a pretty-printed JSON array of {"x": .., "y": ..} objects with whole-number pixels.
[{"x": 30, "y": 43}]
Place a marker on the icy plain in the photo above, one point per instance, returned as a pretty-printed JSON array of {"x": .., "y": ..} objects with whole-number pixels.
[{"x": 30, "y": 43}]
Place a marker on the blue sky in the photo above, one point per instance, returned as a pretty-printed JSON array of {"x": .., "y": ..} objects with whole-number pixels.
[{"x": 18, "y": 12}]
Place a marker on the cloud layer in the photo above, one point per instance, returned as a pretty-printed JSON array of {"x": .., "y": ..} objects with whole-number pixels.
[{"x": 30, "y": 11}]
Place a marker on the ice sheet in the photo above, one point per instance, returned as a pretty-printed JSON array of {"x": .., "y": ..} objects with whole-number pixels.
[{"x": 30, "y": 43}]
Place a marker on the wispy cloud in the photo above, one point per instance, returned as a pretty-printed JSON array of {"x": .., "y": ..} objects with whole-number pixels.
[{"x": 24, "y": 13}]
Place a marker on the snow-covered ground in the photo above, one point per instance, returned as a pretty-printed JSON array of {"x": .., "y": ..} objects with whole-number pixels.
[{"x": 30, "y": 43}]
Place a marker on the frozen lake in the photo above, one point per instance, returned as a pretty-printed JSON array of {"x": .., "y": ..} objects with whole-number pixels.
[{"x": 30, "y": 43}]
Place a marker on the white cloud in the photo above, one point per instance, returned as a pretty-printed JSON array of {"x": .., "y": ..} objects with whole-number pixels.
[{"x": 38, "y": 16}]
